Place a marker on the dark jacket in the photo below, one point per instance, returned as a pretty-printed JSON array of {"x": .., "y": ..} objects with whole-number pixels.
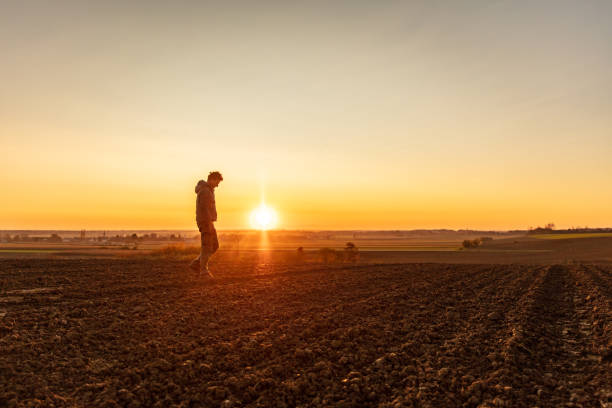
[{"x": 206, "y": 210}]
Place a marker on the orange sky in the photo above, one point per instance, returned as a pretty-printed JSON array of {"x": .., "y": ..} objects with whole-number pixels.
[{"x": 351, "y": 115}]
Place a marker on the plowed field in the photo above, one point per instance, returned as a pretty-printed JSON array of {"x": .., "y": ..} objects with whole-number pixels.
[{"x": 135, "y": 333}]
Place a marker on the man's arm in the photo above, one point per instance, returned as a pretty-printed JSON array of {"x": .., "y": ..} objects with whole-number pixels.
[{"x": 205, "y": 205}]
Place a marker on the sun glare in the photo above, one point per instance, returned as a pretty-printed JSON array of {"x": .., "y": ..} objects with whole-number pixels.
[{"x": 263, "y": 218}]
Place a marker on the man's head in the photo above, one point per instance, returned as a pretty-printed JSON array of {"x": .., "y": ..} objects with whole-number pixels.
[{"x": 214, "y": 178}]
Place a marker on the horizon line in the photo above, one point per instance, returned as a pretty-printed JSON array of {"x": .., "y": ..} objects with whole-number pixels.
[{"x": 296, "y": 229}]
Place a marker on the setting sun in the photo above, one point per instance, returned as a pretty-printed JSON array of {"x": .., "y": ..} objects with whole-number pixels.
[{"x": 263, "y": 217}]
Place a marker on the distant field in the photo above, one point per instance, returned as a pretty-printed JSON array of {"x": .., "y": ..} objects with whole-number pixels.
[
  {"x": 577, "y": 235},
  {"x": 370, "y": 245},
  {"x": 249, "y": 243},
  {"x": 547, "y": 248},
  {"x": 22, "y": 251}
]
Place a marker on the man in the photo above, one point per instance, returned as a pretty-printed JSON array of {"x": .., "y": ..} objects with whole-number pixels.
[{"x": 206, "y": 215}]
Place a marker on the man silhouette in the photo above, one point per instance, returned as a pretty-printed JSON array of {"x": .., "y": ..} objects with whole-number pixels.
[{"x": 206, "y": 215}]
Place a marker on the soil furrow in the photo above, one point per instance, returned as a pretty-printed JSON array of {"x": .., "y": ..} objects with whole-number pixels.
[
  {"x": 138, "y": 334},
  {"x": 456, "y": 370}
]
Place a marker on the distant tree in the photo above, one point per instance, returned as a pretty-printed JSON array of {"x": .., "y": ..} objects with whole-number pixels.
[
  {"x": 299, "y": 254},
  {"x": 473, "y": 243},
  {"x": 55, "y": 238},
  {"x": 351, "y": 253}
]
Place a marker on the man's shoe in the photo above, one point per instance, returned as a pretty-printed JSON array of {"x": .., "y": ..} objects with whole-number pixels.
[{"x": 206, "y": 274}]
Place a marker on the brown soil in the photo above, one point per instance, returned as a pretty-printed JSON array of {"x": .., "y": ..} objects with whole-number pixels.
[{"x": 138, "y": 333}]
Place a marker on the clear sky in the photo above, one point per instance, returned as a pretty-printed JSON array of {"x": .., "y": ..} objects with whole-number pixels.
[{"x": 344, "y": 114}]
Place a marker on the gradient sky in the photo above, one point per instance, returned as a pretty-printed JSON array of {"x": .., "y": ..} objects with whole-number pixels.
[{"x": 345, "y": 114}]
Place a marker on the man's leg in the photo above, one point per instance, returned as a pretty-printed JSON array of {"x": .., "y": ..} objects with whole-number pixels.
[
  {"x": 195, "y": 264},
  {"x": 205, "y": 253},
  {"x": 204, "y": 256},
  {"x": 215, "y": 241}
]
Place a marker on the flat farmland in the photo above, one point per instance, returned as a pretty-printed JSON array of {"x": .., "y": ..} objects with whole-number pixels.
[{"x": 141, "y": 333}]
